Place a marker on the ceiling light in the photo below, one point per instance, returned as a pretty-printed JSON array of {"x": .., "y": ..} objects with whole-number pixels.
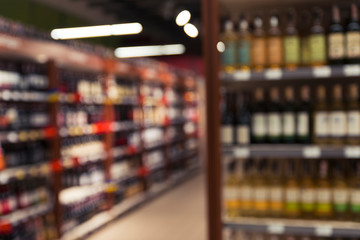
[
  {"x": 145, "y": 51},
  {"x": 183, "y": 18},
  {"x": 96, "y": 31},
  {"x": 191, "y": 30},
  {"x": 220, "y": 47}
]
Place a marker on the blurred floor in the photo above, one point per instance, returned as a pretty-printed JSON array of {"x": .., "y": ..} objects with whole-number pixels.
[{"x": 177, "y": 215}]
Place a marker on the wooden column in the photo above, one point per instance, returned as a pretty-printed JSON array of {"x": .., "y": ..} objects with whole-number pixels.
[{"x": 210, "y": 14}]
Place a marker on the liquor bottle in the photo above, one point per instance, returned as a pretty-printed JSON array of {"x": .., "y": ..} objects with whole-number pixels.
[
  {"x": 231, "y": 192},
  {"x": 337, "y": 117},
  {"x": 244, "y": 45},
  {"x": 353, "y": 116},
  {"x": 292, "y": 190},
  {"x": 246, "y": 189},
  {"x": 340, "y": 191},
  {"x": 274, "y": 44},
  {"x": 243, "y": 120},
  {"x": 317, "y": 40},
  {"x": 261, "y": 194},
  {"x": 303, "y": 117},
  {"x": 229, "y": 38},
  {"x": 336, "y": 39},
  {"x": 259, "y": 118},
  {"x": 288, "y": 117},
  {"x": 308, "y": 190},
  {"x": 258, "y": 48},
  {"x": 305, "y": 38},
  {"x": 274, "y": 117},
  {"x": 353, "y": 36},
  {"x": 291, "y": 42},
  {"x": 323, "y": 208},
  {"x": 276, "y": 191},
  {"x": 355, "y": 191},
  {"x": 227, "y": 126},
  {"x": 321, "y": 117}
]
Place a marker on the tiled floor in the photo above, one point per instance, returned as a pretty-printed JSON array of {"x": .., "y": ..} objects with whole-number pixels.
[{"x": 177, "y": 215}]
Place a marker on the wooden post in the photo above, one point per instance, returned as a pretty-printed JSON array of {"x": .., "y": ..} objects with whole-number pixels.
[{"x": 210, "y": 14}]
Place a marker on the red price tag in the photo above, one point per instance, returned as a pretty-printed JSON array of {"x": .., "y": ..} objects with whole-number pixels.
[{"x": 56, "y": 165}]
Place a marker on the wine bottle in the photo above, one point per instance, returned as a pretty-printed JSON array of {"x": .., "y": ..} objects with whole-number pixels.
[
  {"x": 261, "y": 194},
  {"x": 227, "y": 126},
  {"x": 308, "y": 191},
  {"x": 340, "y": 191},
  {"x": 353, "y": 115},
  {"x": 321, "y": 118},
  {"x": 288, "y": 117},
  {"x": 259, "y": 119},
  {"x": 323, "y": 192},
  {"x": 258, "y": 46},
  {"x": 276, "y": 191},
  {"x": 303, "y": 116},
  {"x": 292, "y": 190},
  {"x": 229, "y": 38},
  {"x": 336, "y": 39},
  {"x": 355, "y": 191},
  {"x": 243, "y": 120},
  {"x": 337, "y": 117},
  {"x": 353, "y": 36},
  {"x": 231, "y": 193},
  {"x": 317, "y": 40},
  {"x": 244, "y": 45},
  {"x": 274, "y": 43},
  {"x": 305, "y": 38},
  {"x": 291, "y": 42},
  {"x": 246, "y": 189},
  {"x": 274, "y": 117}
]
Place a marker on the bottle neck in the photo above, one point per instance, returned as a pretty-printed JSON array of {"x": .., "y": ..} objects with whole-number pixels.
[{"x": 354, "y": 13}]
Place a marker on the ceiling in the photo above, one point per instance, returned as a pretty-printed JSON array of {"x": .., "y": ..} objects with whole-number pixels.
[{"x": 156, "y": 16}]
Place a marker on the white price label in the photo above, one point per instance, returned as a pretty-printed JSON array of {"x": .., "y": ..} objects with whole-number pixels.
[
  {"x": 312, "y": 152},
  {"x": 242, "y": 75},
  {"x": 322, "y": 72},
  {"x": 352, "y": 152},
  {"x": 242, "y": 152},
  {"x": 273, "y": 74},
  {"x": 324, "y": 231},
  {"x": 352, "y": 70},
  {"x": 276, "y": 228}
]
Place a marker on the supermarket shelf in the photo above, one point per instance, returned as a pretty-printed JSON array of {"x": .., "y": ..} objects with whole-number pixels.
[
  {"x": 125, "y": 206},
  {"x": 301, "y": 73},
  {"x": 292, "y": 151},
  {"x": 291, "y": 226},
  {"x": 26, "y": 213}
]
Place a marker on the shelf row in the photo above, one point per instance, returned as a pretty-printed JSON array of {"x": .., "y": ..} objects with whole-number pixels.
[
  {"x": 291, "y": 151},
  {"x": 301, "y": 73},
  {"x": 320, "y": 228}
]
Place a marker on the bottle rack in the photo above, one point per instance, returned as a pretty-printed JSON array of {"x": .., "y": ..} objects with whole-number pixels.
[{"x": 56, "y": 58}]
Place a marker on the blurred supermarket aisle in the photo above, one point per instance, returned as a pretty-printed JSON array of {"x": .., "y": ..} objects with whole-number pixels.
[{"x": 177, "y": 215}]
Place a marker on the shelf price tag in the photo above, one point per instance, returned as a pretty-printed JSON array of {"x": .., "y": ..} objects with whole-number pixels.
[
  {"x": 312, "y": 152},
  {"x": 242, "y": 75},
  {"x": 352, "y": 152},
  {"x": 276, "y": 228},
  {"x": 273, "y": 74},
  {"x": 324, "y": 231},
  {"x": 351, "y": 70},
  {"x": 322, "y": 72},
  {"x": 241, "y": 152}
]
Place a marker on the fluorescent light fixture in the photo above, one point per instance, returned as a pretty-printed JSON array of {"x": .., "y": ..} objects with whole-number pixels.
[
  {"x": 183, "y": 18},
  {"x": 191, "y": 30},
  {"x": 146, "y": 51},
  {"x": 220, "y": 47},
  {"x": 96, "y": 31}
]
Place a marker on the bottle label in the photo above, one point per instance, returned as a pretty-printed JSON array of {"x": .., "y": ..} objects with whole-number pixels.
[
  {"x": 308, "y": 200},
  {"x": 341, "y": 199},
  {"x": 244, "y": 52},
  {"x": 323, "y": 200},
  {"x": 292, "y": 49},
  {"x": 260, "y": 195},
  {"x": 274, "y": 124},
  {"x": 321, "y": 124},
  {"x": 353, "y": 123},
  {"x": 336, "y": 45},
  {"x": 231, "y": 197},
  {"x": 302, "y": 124},
  {"x": 275, "y": 50},
  {"x": 259, "y": 125},
  {"x": 292, "y": 197},
  {"x": 258, "y": 51},
  {"x": 228, "y": 57},
  {"x": 289, "y": 124},
  {"x": 355, "y": 200},
  {"x": 353, "y": 44},
  {"x": 317, "y": 48},
  {"x": 305, "y": 50},
  {"x": 243, "y": 134},
  {"x": 246, "y": 195},
  {"x": 227, "y": 134},
  {"x": 276, "y": 198},
  {"x": 338, "y": 123}
]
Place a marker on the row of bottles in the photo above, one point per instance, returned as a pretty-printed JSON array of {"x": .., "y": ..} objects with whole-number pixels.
[
  {"x": 300, "y": 42},
  {"x": 81, "y": 148},
  {"x": 80, "y": 115},
  {"x": 122, "y": 92},
  {"x": 86, "y": 174},
  {"x": 240, "y": 235},
  {"x": 330, "y": 119},
  {"x": 291, "y": 188}
]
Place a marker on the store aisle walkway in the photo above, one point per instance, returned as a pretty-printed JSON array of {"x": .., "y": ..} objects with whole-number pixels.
[{"x": 177, "y": 215}]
